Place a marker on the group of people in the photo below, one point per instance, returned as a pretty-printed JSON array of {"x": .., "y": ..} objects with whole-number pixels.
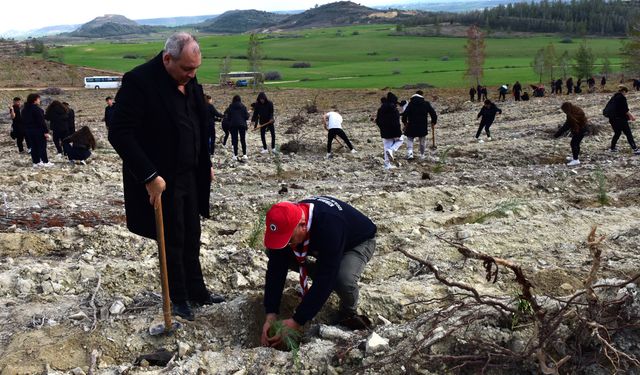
[{"x": 28, "y": 125}]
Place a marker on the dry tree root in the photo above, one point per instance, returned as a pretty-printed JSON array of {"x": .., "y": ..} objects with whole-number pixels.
[{"x": 587, "y": 322}]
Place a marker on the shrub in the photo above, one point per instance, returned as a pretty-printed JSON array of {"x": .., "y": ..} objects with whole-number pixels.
[
  {"x": 51, "y": 91},
  {"x": 566, "y": 40},
  {"x": 129, "y": 57},
  {"x": 393, "y": 59},
  {"x": 355, "y": 33},
  {"x": 272, "y": 76},
  {"x": 301, "y": 65},
  {"x": 444, "y": 58},
  {"x": 395, "y": 72},
  {"x": 374, "y": 53}
]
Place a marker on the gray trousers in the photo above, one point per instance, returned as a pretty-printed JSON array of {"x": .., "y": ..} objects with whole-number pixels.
[{"x": 351, "y": 268}]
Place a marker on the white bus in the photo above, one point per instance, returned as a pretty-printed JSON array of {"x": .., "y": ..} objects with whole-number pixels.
[
  {"x": 102, "y": 82},
  {"x": 240, "y": 79}
]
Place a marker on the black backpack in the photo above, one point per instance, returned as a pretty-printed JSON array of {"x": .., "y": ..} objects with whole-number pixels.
[{"x": 609, "y": 109}]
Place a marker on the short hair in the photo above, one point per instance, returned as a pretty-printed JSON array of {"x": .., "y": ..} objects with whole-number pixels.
[
  {"x": 236, "y": 99},
  {"x": 17, "y": 99},
  {"x": 31, "y": 98},
  {"x": 108, "y": 98},
  {"x": 208, "y": 97},
  {"x": 487, "y": 101},
  {"x": 420, "y": 92},
  {"x": 65, "y": 103},
  {"x": 176, "y": 43},
  {"x": 623, "y": 88}
]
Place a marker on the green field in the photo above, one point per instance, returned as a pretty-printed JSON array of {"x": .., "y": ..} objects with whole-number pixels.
[{"x": 350, "y": 57}]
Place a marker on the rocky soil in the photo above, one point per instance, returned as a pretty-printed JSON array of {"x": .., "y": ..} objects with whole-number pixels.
[{"x": 67, "y": 262}]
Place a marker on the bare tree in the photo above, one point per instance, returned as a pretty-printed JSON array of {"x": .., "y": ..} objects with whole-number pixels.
[
  {"x": 225, "y": 68},
  {"x": 564, "y": 62},
  {"x": 475, "y": 54},
  {"x": 254, "y": 53},
  {"x": 538, "y": 64},
  {"x": 550, "y": 59},
  {"x": 631, "y": 50}
]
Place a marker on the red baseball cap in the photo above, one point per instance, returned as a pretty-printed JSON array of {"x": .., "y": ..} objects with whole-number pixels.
[{"x": 282, "y": 219}]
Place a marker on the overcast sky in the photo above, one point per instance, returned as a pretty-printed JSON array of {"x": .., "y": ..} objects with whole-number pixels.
[{"x": 27, "y": 15}]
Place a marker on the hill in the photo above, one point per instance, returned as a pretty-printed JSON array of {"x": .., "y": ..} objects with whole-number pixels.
[
  {"x": 18, "y": 71},
  {"x": 333, "y": 14},
  {"x": 110, "y": 25},
  {"x": 175, "y": 21},
  {"x": 240, "y": 21}
]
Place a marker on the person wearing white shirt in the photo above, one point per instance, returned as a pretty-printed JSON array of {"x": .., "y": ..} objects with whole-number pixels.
[{"x": 333, "y": 124}]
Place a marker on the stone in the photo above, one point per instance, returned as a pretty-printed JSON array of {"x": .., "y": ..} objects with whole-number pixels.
[
  {"x": 439, "y": 207},
  {"x": 239, "y": 281},
  {"x": 376, "y": 343},
  {"x": 333, "y": 333},
  {"x": 24, "y": 286},
  {"x": 567, "y": 288},
  {"x": 183, "y": 349},
  {"x": 117, "y": 308},
  {"x": 78, "y": 316},
  {"x": 463, "y": 234},
  {"x": 77, "y": 371}
]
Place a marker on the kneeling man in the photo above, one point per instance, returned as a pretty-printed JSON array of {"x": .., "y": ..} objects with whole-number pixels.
[{"x": 339, "y": 237}]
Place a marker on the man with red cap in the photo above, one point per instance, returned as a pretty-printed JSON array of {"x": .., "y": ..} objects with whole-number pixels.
[{"x": 342, "y": 241}]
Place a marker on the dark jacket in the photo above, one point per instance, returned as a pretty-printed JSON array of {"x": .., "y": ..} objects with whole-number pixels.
[
  {"x": 16, "y": 124},
  {"x": 108, "y": 114},
  {"x": 58, "y": 119},
  {"x": 415, "y": 117},
  {"x": 145, "y": 135},
  {"x": 212, "y": 116},
  {"x": 388, "y": 120},
  {"x": 335, "y": 228},
  {"x": 33, "y": 119},
  {"x": 488, "y": 114},
  {"x": 620, "y": 108},
  {"x": 71, "y": 121},
  {"x": 262, "y": 113},
  {"x": 517, "y": 88},
  {"x": 238, "y": 115}
]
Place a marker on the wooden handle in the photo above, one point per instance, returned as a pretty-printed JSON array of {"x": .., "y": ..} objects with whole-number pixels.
[{"x": 164, "y": 279}]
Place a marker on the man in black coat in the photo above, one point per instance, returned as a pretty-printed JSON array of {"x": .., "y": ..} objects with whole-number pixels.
[
  {"x": 619, "y": 119},
  {"x": 416, "y": 122},
  {"x": 159, "y": 129},
  {"x": 108, "y": 111}
]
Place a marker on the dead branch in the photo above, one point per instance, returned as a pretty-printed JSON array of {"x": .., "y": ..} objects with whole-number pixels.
[
  {"x": 92, "y": 303},
  {"x": 596, "y": 253},
  {"x": 95, "y": 356}
]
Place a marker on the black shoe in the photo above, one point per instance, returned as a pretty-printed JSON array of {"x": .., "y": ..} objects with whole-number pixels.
[
  {"x": 183, "y": 310},
  {"x": 355, "y": 322},
  {"x": 209, "y": 300}
]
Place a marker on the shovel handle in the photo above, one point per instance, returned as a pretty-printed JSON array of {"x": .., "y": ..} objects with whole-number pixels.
[
  {"x": 433, "y": 135},
  {"x": 166, "y": 303}
]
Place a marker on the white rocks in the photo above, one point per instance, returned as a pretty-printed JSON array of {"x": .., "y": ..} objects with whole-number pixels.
[
  {"x": 183, "y": 349},
  {"x": 117, "y": 308},
  {"x": 78, "y": 316},
  {"x": 463, "y": 234},
  {"x": 333, "y": 333},
  {"x": 376, "y": 344},
  {"x": 239, "y": 281},
  {"x": 24, "y": 286}
]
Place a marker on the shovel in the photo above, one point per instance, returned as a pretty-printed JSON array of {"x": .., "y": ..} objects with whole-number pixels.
[
  {"x": 433, "y": 136},
  {"x": 168, "y": 326}
]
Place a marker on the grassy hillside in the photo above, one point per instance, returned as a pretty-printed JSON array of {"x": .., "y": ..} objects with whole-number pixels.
[{"x": 355, "y": 57}]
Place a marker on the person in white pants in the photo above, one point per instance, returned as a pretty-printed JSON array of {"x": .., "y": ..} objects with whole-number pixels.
[
  {"x": 388, "y": 121},
  {"x": 416, "y": 121}
]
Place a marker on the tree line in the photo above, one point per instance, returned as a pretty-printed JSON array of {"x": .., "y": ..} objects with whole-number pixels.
[{"x": 577, "y": 17}]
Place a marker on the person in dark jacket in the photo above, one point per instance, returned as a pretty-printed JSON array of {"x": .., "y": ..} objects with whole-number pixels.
[
  {"x": 17, "y": 127},
  {"x": 559, "y": 86},
  {"x": 636, "y": 84},
  {"x": 603, "y": 82},
  {"x": 576, "y": 123},
  {"x": 263, "y": 116},
  {"x": 71, "y": 118},
  {"x": 58, "y": 118},
  {"x": 388, "y": 121},
  {"x": 159, "y": 129},
  {"x": 488, "y": 115},
  {"x": 238, "y": 117},
  {"x": 484, "y": 93},
  {"x": 416, "y": 122},
  {"x": 591, "y": 83},
  {"x": 212, "y": 116},
  {"x": 36, "y": 130},
  {"x": 517, "y": 91},
  {"x": 619, "y": 120},
  {"x": 78, "y": 146},
  {"x": 108, "y": 111},
  {"x": 502, "y": 92},
  {"x": 342, "y": 241},
  {"x": 578, "y": 88},
  {"x": 569, "y": 85},
  {"x": 472, "y": 94},
  {"x": 479, "y": 91}
]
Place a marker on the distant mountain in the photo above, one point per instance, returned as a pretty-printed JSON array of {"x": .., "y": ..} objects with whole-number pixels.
[
  {"x": 45, "y": 31},
  {"x": 450, "y": 6},
  {"x": 240, "y": 21},
  {"x": 175, "y": 21},
  {"x": 110, "y": 25}
]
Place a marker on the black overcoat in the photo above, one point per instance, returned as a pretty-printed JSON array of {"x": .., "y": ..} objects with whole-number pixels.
[
  {"x": 144, "y": 132},
  {"x": 415, "y": 117},
  {"x": 388, "y": 120}
]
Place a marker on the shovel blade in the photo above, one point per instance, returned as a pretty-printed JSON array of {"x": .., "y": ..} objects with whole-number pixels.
[{"x": 160, "y": 329}]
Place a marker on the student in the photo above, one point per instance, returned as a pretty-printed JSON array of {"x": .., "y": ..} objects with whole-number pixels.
[
  {"x": 603, "y": 82},
  {"x": 388, "y": 121},
  {"x": 517, "y": 90},
  {"x": 578, "y": 89},
  {"x": 212, "y": 116},
  {"x": 525, "y": 96},
  {"x": 238, "y": 116},
  {"x": 636, "y": 84},
  {"x": 488, "y": 114},
  {"x": 78, "y": 145},
  {"x": 502, "y": 92},
  {"x": 36, "y": 130},
  {"x": 59, "y": 120},
  {"x": 484, "y": 93},
  {"x": 577, "y": 123},
  {"x": 479, "y": 91},
  {"x": 340, "y": 238},
  {"x": 108, "y": 111},
  {"x": 333, "y": 125},
  {"x": 472, "y": 94},
  {"x": 619, "y": 118},
  {"x": 263, "y": 116},
  {"x": 71, "y": 117},
  {"x": 591, "y": 83},
  {"x": 569, "y": 85},
  {"x": 17, "y": 127},
  {"x": 416, "y": 122},
  {"x": 559, "y": 86}
]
